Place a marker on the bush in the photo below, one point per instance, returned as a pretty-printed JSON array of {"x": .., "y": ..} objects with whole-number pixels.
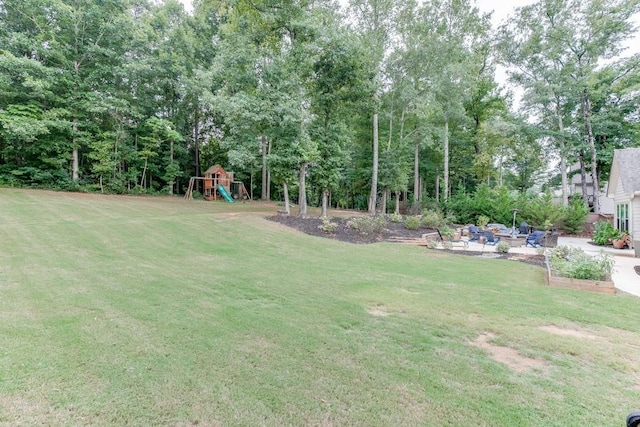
[
  {"x": 368, "y": 224},
  {"x": 432, "y": 219},
  {"x": 482, "y": 220},
  {"x": 394, "y": 217},
  {"x": 412, "y": 223},
  {"x": 432, "y": 244},
  {"x": 503, "y": 247},
  {"x": 327, "y": 226},
  {"x": 576, "y": 264},
  {"x": 604, "y": 233},
  {"x": 543, "y": 212},
  {"x": 575, "y": 215}
]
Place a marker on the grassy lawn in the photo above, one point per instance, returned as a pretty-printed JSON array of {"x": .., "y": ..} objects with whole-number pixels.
[{"x": 157, "y": 311}]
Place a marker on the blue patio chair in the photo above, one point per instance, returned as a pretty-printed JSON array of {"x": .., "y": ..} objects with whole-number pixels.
[
  {"x": 491, "y": 239},
  {"x": 535, "y": 239},
  {"x": 474, "y": 233}
]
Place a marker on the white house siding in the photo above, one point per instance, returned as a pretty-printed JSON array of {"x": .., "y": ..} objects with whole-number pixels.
[
  {"x": 634, "y": 218},
  {"x": 621, "y": 198}
]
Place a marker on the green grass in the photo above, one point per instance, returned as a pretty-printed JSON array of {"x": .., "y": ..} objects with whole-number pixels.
[{"x": 157, "y": 311}]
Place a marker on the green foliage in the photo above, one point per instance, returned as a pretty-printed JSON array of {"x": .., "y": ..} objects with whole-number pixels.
[
  {"x": 482, "y": 220},
  {"x": 604, "y": 233},
  {"x": 503, "y": 247},
  {"x": 576, "y": 264},
  {"x": 432, "y": 244},
  {"x": 412, "y": 222},
  {"x": 575, "y": 215},
  {"x": 394, "y": 217},
  {"x": 542, "y": 211},
  {"x": 368, "y": 224},
  {"x": 327, "y": 225},
  {"x": 447, "y": 232},
  {"x": 432, "y": 219}
]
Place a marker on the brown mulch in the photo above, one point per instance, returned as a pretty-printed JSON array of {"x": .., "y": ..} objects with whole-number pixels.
[{"x": 394, "y": 232}]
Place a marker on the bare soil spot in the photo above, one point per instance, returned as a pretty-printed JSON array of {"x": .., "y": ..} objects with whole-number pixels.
[
  {"x": 568, "y": 332},
  {"x": 506, "y": 355},
  {"x": 377, "y": 311}
]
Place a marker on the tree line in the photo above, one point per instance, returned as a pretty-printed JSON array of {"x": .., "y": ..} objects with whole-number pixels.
[{"x": 354, "y": 107}]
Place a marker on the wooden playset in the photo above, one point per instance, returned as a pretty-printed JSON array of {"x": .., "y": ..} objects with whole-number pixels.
[{"x": 218, "y": 183}]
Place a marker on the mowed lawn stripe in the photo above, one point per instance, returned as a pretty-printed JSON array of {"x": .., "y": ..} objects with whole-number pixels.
[{"x": 145, "y": 311}]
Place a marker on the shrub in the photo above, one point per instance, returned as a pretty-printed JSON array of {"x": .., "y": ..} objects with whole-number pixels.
[
  {"x": 447, "y": 244},
  {"x": 604, "y": 232},
  {"x": 576, "y": 264},
  {"x": 542, "y": 211},
  {"x": 412, "y": 222},
  {"x": 394, "y": 217},
  {"x": 432, "y": 244},
  {"x": 575, "y": 215},
  {"x": 482, "y": 220},
  {"x": 503, "y": 247},
  {"x": 327, "y": 226},
  {"x": 447, "y": 232},
  {"x": 368, "y": 224},
  {"x": 432, "y": 219}
]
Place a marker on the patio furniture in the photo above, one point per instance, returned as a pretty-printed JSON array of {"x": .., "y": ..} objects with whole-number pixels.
[
  {"x": 536, "y": 239},
  {"x": 474, "y": 233},
  {"x": 491, "y": 238}
]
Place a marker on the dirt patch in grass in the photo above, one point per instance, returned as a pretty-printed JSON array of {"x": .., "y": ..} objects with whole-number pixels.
[
  {"x": 568, "y": 332},
  {"x": 506, "y": 355},
  {"x": 377, "y": 311}
]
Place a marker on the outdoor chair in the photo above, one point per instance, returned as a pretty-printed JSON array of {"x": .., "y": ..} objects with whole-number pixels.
[
  {"x": 535, "y": 239},
  {"x": 491, "y": 238},
  {"x": 523, "y": 229},
  {"x": 474, "y": 233}
]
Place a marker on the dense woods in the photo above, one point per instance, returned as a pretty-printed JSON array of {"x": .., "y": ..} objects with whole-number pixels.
[{"x": 359, "y": 106}]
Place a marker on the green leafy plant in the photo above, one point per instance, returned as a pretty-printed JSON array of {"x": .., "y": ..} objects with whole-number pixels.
[
  {"x": 368, "y": 224},
  {"x": 327, "y": 226},
  {"x": 575, "y": 215},
  {"x": 394, "y": 217},
  {"x": 482, "y": 220},
  {"x": 503, "y": 247},
  {"x": 432, "y": 219},
  {"x": 447, "y": 232},
  {"x": 576, "y": 264},
  {"x": 412, "y": 222},
  {"x": 604, "y": 233},
  {"x": 432, "y": 244}
]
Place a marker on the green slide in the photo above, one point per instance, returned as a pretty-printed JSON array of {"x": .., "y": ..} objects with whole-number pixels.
[{"x": 223, "y": 193}]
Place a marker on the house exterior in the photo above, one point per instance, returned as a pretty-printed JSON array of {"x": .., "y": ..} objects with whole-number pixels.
[{"x": 624, "y": 189}]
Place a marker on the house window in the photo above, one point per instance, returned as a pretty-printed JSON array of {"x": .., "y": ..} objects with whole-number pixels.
[{"x": 622, "y": 217}]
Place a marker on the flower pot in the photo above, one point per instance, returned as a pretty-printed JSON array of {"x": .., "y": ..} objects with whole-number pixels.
[{"x": 618, "y": 244}]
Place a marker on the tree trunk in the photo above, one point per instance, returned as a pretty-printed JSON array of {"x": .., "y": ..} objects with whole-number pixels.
[
  {"x": 397, "y": 211},
  {"x": 196, "y": 141},
  {"x": 374, "y": 173},
  {"x": 302, "y": 196},
  {"x": 383, "y": 208},
  {"x": 446, "y": 160},
  {"x": 75, "y": 166},
  {"x": 287, "y": 206},
  {"x": 263, "y": 148},
  {"x": 325, "y": 202},
  {"x": 583, "y": 177},
  {"x": 171, "y": 163},
  {"x": 563, "y": 159},
  {"x": 269, "y": 175},
  {"x": 416, "y": 173},
  {"x": 592, "y": 148}
]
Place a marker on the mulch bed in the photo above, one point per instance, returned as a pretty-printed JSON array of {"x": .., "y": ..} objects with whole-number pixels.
[{"x": 393, "y": 232}]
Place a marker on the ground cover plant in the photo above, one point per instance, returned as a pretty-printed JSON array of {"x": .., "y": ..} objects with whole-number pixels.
[{"x": 156, "y": 311}]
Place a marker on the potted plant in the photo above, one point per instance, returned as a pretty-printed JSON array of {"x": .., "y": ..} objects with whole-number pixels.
[
  {"x": 483, "y": 220},
  {"x": 623, "y": 240}
]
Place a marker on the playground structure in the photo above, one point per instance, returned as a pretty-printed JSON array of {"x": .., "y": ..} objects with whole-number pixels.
[{"x": 218, "y": 183}]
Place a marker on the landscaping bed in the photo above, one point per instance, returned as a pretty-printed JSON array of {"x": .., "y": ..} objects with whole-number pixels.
[{"x": 392, "y": 232}]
